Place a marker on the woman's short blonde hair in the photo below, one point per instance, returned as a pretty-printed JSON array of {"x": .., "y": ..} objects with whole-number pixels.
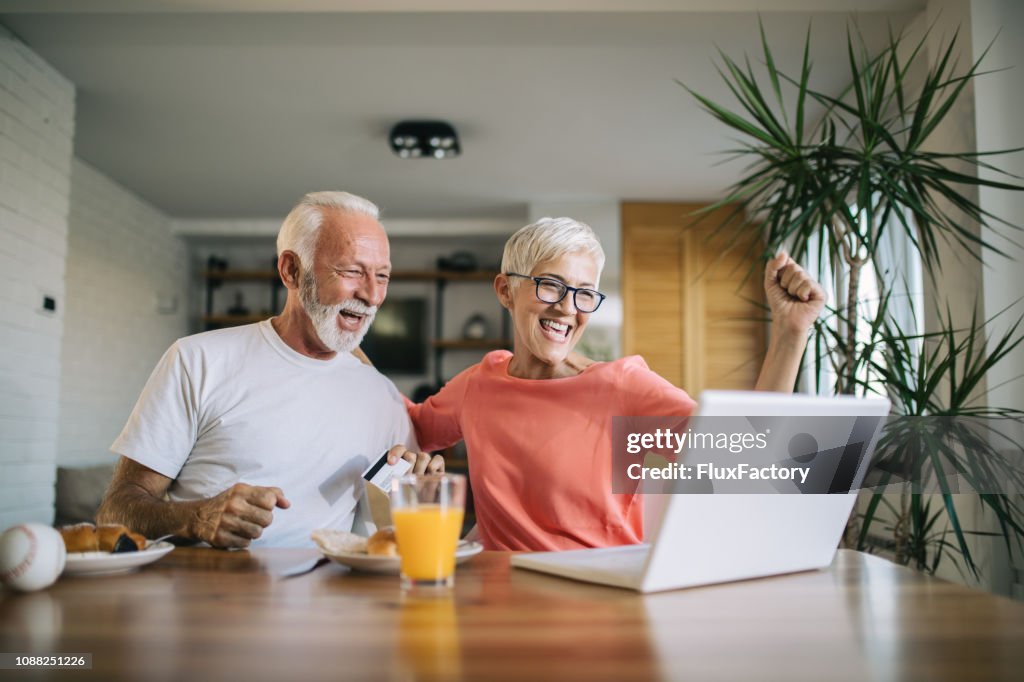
[{"x": 547, "y": 239}]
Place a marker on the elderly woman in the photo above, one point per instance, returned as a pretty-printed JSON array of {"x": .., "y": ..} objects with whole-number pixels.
[{"x": 537, "y": 421}]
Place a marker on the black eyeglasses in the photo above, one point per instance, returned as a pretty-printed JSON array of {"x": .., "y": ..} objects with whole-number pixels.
[{"x": 552, "y": 291}]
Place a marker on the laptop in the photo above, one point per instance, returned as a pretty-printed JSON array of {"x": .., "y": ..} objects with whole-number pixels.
[{"x": 703, "y": 539}]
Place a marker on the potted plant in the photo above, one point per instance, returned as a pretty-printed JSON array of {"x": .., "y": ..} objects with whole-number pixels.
[{"x": 831, "y": 193}]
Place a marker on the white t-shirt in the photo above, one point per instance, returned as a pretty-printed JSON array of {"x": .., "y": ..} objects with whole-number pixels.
[{"x": 239, "y": 405}]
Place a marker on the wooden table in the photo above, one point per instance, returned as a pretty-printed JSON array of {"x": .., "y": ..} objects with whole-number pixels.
[{"x": 203, "y": 614}]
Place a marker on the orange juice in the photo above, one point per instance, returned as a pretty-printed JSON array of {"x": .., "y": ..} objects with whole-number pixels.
[
  {"x": 428, "y": 639},
  {"x": 427, "y": 536}
]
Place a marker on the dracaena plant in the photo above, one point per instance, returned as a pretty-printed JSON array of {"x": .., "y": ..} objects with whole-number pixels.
[
  {"x": 942, "y": 438},
  {"x": 830, "y": 189}
]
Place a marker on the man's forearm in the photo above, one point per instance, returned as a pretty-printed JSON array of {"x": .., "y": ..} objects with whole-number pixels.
[{"x": 133, "y": 506}]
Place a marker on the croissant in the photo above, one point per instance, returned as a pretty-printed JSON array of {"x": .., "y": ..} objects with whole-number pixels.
[
  {"x": 116, "y": 539},
  {"x": 383, "y": 543},
  {"x": 85, "y": 537},
  {"x": 80, "y": 538}
]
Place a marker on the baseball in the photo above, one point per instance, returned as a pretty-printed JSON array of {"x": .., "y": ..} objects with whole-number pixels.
[{"x": 31, "y": 557}]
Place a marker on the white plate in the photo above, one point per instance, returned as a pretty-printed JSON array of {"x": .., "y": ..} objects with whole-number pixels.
[
  {"x": 389, "y": 565},
  {"x": 105, "y": 563}
]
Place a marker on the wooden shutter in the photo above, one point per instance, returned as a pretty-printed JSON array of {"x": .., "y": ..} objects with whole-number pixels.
[{"x": 688, "y": 306}]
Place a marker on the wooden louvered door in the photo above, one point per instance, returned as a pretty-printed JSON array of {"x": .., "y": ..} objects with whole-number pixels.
[{"x": 688, "y": 306}]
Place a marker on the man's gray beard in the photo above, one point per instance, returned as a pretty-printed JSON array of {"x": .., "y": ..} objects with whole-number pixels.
[{"x": 325, "y": 317}]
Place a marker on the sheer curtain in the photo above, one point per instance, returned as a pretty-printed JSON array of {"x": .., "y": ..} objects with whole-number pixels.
[{"x": 896, "y": 269}]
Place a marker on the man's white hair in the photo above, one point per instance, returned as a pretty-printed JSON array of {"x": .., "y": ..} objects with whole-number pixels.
[
  {"x": 302, "y": 225},
  {"x": 547, "y": 239}
]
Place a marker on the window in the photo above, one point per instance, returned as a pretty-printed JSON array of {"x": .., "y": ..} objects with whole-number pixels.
[{"x": 896, "y": 269}]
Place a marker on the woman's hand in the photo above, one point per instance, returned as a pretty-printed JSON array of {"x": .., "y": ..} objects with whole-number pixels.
[
  {"x": 795, "y": 298},
  {"x": 422, "y": 463},
  {"x": 359, "y": 355}
]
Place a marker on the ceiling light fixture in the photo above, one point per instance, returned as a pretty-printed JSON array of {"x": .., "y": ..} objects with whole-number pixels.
[{"x": 424, "y": 139}]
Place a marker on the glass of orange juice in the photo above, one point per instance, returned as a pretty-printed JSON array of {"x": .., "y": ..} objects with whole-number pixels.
[{"x": 427, "y": 512}]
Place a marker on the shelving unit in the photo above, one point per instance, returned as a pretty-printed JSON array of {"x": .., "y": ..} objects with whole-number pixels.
[
  {"x": 214, "y": 279},
  {"x": 470, "y": 344},
  {"x": 442, "y": 279},
  {"x": 231, "y": 320}
]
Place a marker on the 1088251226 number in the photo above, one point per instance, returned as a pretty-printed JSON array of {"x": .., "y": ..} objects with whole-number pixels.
[{"x": 36, "y": 661}]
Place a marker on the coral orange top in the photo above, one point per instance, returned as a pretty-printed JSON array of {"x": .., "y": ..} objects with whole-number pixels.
[{"x": 540, "y": 450}]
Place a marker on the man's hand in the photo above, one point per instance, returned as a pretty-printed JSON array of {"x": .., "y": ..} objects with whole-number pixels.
[
  {"x": 795, "y": 298},
  {"x": 234, "y": 518},
  {"x": 238, "y": 515},
  {"x": 421, "y": 461}
]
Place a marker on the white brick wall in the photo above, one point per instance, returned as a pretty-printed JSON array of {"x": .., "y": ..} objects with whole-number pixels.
[
  {"x": 37, "y": 108},
  {"x": 121, "y": 258}
]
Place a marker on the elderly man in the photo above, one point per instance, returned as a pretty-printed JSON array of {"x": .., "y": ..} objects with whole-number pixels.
[{"x": 259, "y": 434}]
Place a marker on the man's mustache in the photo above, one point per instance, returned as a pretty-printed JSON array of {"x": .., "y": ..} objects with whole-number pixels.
[{"x": 357, "y": 307}]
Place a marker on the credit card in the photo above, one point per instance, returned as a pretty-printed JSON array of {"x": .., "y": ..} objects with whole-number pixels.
[{"x": 380, "y": 472}]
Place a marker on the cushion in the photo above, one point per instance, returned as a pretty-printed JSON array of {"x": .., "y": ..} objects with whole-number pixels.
[{"x": 80, "y": 491}]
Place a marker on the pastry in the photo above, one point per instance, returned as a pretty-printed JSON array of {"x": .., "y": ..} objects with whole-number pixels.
[
  {"x": 80, "y": 538},
  {"x": 339, "y": 541},
  {"x": 382, "y": 543},
  {"x": 116, "y": 539},
  {"x": 85, "y": 537}
]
